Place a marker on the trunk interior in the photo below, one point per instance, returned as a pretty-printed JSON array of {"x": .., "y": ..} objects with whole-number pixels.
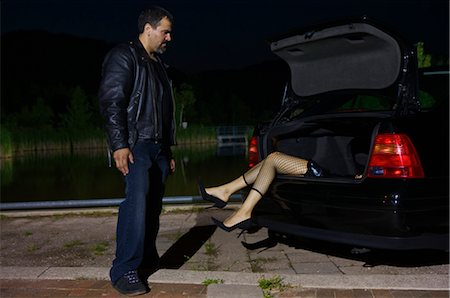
[{"x": 341, "y": 146}]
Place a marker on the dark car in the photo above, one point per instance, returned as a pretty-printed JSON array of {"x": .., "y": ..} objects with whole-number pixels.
[{"x": 358, "y": 105}]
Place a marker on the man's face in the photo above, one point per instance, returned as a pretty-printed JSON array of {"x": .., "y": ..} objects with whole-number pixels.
[{"x": 159, "y": 36}]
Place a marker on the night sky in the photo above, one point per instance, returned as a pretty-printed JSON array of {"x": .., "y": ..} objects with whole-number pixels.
[{"x": 225, "y": 34}]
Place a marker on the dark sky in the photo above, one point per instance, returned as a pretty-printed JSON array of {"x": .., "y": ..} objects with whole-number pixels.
[{"x": 212, "y": 34}]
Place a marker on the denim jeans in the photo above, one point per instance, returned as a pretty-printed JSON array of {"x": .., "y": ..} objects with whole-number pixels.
[{"x": 138, "y": 220}]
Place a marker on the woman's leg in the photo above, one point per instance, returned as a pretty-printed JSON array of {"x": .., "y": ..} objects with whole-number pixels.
[
  {"x": 224, "y": 191},
  {"x": 275, "y": 163}
]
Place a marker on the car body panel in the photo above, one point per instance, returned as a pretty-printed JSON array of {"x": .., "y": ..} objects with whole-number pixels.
[{"x": 384, "y": 211}]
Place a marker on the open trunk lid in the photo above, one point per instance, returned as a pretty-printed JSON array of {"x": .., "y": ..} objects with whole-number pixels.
[{"x": 349, "y": 55}]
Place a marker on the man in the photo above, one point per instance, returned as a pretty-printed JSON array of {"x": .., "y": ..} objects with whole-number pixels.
[{"x": 136, "y": 101}]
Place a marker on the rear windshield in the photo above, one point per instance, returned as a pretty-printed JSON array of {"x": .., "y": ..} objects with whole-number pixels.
[
  {"x": 433, "y": 90},
  {"x": 340, "y": 102}
]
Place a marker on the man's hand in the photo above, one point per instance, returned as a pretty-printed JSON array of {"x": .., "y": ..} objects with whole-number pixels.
[
  {"x": 172, "y": 166},
  {"x": 122, "y": 157}
]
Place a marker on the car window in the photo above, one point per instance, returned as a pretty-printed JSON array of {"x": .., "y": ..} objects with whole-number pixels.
[
  {"x": 433, "y": 88},
  {"x": 341, "y": 103},
  {"x": 366, "y": 103}
]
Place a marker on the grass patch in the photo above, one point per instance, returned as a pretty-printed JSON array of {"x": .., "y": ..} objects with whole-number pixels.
[
  {"x": 207, "y": 265},
  {"x": 27, "y": 233},
  {"x": 211, "y": 281},
  {"x": 274, "y": 284},
  {"x": 104, "y": 213},
  {"x": 73, "y": 243},
  {"x": 204, "y": 265},
  {"x": 257, "y": 264},
  {"x": 211, "y": 249},
  {"x": 99, "y": 249},
  {"x": 183, "y": 210},
  {"x": 33, "y": 247},
  {"x": 97, "y": 213}
]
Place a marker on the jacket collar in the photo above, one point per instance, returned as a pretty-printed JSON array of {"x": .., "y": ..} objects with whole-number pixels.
[{"x": 141, "y": 50}]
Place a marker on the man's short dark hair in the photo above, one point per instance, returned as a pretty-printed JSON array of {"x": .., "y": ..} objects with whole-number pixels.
[{"x": 153, "y": 16}]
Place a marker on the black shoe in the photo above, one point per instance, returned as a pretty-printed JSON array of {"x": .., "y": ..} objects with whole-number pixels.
[
  {"x": 210, "y": 198},
  {"x": 145, "y": 273},
  {"x": 244, "y": 225},
  {"x": 130, "y": 284},
  {"x": 314, "y": 170}
]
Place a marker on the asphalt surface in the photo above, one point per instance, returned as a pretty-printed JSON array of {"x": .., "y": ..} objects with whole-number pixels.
[{"x": 51, "y": 254}]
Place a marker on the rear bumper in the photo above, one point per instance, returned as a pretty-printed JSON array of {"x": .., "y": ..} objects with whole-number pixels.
[
  {"x": 426, "y": 241},
  {"x": 397, "y": 215}
]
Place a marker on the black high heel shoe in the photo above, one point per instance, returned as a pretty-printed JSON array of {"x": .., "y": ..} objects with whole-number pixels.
[
  {"x": 244, "y": 225},
  {"x": 210, "y": 198},
  {"x": 314, "y": 170}
]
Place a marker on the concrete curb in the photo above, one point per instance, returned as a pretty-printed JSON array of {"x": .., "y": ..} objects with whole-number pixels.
[{"x": 375, "y": 281}]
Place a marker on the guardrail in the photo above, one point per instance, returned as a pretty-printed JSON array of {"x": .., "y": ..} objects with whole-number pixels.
[
  {"x": 173, "y": 200},
  {"x": 232, "y": 135}
]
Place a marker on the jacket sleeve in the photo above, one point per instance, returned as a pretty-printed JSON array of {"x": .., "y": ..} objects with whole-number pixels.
[{"x": 114, "y": 93}]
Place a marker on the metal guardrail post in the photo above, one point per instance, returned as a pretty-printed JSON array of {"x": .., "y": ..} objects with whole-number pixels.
[{"x": 232, "y": 135}]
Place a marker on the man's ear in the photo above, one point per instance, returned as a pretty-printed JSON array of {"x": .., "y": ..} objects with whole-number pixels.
[{"x": 147, "y": 28}]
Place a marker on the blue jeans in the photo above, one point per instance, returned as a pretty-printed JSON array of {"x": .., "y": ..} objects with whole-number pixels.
[{"x": 138, "y": 220}]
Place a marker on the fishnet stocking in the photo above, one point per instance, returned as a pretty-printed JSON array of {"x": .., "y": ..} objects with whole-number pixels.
[{"x": 262, "y": 174}]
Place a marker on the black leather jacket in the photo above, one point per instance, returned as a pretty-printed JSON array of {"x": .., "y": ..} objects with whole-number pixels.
[{"x": 123, "y": 89}]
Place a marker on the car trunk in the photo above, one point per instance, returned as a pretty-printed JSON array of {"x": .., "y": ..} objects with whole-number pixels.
[
  {"x": 340, "y": 145},
  {"x": 333, "y": 67}
]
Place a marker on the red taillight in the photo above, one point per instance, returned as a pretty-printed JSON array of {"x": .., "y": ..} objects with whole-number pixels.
[
  {"x": 253, "y": 152},
  {"x": 394, "y": 156}
]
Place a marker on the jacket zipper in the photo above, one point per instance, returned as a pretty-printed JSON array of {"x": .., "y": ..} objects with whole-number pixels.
[
  {"x": 174, "y": 128},
  {"x": 155, "y": 111}
]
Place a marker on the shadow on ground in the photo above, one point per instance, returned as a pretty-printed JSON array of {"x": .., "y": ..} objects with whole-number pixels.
[
  {"x": 182, "y": 250},
  {"x": 371, "y": 257}
]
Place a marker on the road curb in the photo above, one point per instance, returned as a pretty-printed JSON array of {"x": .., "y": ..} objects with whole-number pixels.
[{"x": 376, "y": 281}]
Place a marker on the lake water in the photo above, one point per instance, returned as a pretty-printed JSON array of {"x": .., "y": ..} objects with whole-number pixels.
[{"x": 86, "y": 174}]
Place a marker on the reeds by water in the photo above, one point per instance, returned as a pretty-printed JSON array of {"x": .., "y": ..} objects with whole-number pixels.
[
  {"x": 196, "y": 135},
  {"x": 22, "y": 142},
  {"x": 5, "y": 143}
]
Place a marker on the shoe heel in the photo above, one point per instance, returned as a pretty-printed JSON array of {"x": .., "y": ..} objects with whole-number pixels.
[
  {"x": 314, "y": 170},
  {"x": 210, "y": 198},
  {"x": 244, "y": 225}
]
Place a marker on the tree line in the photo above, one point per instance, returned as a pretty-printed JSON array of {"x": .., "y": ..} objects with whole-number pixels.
[{"x": 51, "y": 91}]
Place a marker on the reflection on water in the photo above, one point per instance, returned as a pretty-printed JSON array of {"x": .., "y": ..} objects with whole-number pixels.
[{"x": 86, "y": 175}]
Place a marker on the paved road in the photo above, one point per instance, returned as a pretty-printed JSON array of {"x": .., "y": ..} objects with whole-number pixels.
[{"x": 67, "y": 247}]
